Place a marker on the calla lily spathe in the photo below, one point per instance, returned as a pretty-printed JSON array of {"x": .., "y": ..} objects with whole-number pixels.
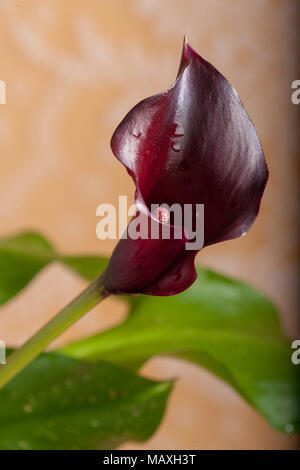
[{"x": 193, "y": 144}]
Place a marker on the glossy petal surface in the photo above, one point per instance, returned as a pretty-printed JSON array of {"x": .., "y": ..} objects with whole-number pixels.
[{"x": 193, "y": 144}]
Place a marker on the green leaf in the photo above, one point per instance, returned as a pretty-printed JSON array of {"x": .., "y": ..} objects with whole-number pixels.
[
  {"x": 219, "y": 323},
  {"x": 62, "y": 403},
  {"x": 25, "y": 255}
]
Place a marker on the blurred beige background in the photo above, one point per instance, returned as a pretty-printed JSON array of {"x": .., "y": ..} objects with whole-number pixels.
[{"x": 73, "y": 68}]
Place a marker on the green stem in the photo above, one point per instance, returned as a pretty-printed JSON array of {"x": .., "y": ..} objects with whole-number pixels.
[{"x": 16, "y": 362}]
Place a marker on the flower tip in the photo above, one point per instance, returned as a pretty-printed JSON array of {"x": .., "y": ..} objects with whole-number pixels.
[
  {"x": 185, "y": 59},
  {"x": 185, "y": 42},
  {"x": 188, "y": 53}
]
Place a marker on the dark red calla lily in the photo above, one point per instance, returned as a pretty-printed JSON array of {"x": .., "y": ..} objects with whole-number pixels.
[{"x": 193, "y": 144}]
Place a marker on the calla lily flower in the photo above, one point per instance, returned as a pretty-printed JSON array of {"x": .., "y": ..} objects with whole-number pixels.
[{"x": 192, "y": 144}]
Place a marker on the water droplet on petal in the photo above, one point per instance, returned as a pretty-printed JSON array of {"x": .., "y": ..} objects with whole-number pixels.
[
  {"x": 175, "y": 147},
  {"x": 176, "y": 276},
  {"x": 162, "y": 214},
  {"x": 136, "y": 133},
  {"x": 179, "y": 131}
]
